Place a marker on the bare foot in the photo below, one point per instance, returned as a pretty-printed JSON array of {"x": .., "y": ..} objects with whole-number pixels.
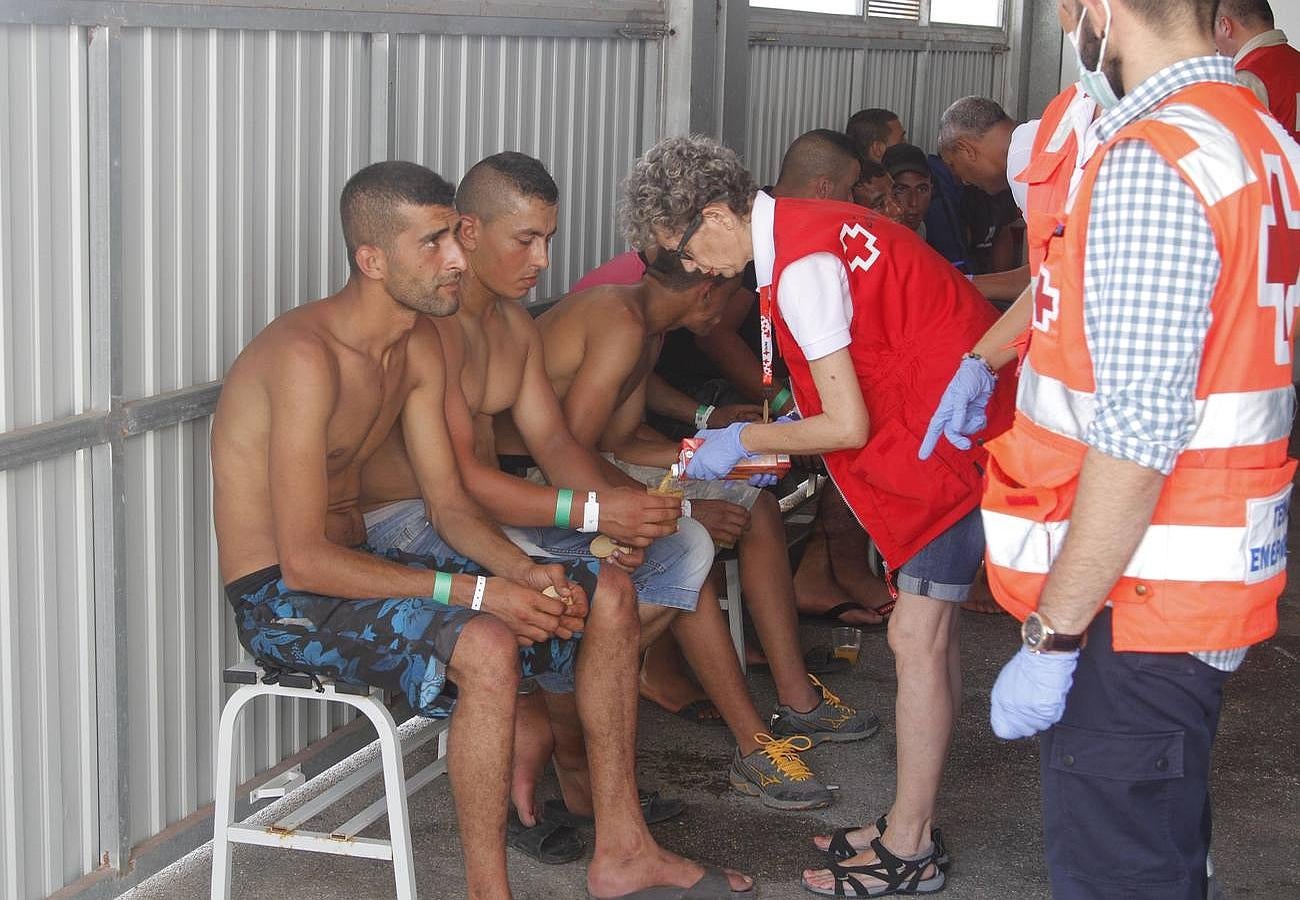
[
  {"x": 816, "y": 591},
  {"x": 679, "y": 697},
  {"x": 611, "y": 875},
  {"x": 665, "y": 676},
  {"x": 754, "y": 656}
]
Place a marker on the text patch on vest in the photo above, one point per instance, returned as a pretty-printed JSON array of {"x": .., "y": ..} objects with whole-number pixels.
[{"x": 1266, "y": 527}]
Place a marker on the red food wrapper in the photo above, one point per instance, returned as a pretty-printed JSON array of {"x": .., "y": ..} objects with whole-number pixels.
[{"x": 764, "y": 464}]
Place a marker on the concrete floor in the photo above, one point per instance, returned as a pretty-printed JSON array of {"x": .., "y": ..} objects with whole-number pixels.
[{"x": 988, "y": 809}]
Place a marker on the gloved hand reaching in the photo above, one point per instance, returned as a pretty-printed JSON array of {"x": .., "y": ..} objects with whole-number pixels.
[
  {"x": 961, "y": 409},
  {"x": 1029, "y": 695},
  {"x": 719, "y": 453}
]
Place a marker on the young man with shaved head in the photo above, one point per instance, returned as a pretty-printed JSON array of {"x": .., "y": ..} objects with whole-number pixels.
[
  {"x": 873, "y": 131},
  {"x": 301, "y": 413}
]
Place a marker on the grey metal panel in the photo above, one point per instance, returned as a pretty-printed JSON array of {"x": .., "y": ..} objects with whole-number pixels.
[
  {"x": 180, "y": 637},
  {"x": 49, "y": 813},
  {"x": 574, "y": 103},
  {"x": 236, "y": 146},
  {"x": 942, "y": 77},
  {"x": 793, "y": 89},
  {"x": 891, "y": 80},
  {"x": 44, "y": 312}
]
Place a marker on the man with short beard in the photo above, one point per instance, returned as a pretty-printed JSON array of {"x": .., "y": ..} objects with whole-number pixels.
[
  {"x": 302, "y": 411},
  {"x": 1136, "y": 512}
]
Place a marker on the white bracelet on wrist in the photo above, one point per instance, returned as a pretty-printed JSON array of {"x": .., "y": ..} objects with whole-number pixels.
[
  {"x": 702, "y": 417},
  {"x": 590, "y": 514},
  {"x": 480, "y": 586}
]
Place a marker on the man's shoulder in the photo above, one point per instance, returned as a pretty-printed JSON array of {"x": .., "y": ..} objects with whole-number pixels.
[
  {"x": 294, "y": 339},
  {"x": 606, "y": 309}
]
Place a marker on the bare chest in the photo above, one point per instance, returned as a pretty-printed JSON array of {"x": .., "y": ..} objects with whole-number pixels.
[{"x": 493, "y": 373}]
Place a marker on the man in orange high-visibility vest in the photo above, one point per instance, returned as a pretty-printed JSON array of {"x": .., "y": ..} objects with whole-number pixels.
[{"x": 1136, "y": 512}]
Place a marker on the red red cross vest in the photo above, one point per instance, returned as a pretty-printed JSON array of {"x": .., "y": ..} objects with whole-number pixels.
[
  {"x": 1279, "y": 68},
  {"x": 1208, "y": 572},
  {"x": 914, "y": 315}
]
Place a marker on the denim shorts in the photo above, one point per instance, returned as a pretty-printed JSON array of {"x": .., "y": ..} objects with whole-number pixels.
[
  {"x": 674, "y": 569},
  {"x": 945, "y": 568}
]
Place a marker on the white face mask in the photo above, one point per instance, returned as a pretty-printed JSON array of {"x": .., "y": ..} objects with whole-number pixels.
[{"x": 1095, "y": 83}]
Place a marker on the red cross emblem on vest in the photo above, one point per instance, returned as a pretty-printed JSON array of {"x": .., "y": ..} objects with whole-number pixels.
[
  {"x": 862, "y": 244},
  {"x": 1279, "y": 257},
  {"x": 1047, "y": 300}
]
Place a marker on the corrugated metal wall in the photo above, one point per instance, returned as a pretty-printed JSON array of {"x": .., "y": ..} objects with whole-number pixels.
[
  {"x": 230, "y": 147},
  {"x": 796, "y": 88},
  {"x": 577, "y": 104}
]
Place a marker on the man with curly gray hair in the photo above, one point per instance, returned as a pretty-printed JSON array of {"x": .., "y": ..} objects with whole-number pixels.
[{"x": 871, "y": 323}]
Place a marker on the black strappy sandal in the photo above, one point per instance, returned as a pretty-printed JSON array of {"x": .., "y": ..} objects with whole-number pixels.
[
  {"x": 898, "y": 876},
  {"x": 840, "y": 849}
]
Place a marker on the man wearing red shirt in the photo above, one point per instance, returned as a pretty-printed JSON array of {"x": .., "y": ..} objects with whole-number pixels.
[{"x": 1265, "y": 62}]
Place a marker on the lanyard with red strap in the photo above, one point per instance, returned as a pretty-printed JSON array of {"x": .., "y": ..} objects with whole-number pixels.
[{"x": 765, "y": 341}]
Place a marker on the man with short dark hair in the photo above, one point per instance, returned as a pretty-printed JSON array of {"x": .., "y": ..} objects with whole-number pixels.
[
  {"x": 1265, "y": 62},
  {"x": 913, "y": 183},
  {"x": 820, "y": 165},
  {"x": 875, "y": 191},
  {"x": 873, "y": 131}
]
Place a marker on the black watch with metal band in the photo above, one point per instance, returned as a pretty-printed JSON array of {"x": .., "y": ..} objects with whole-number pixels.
[{"x": 1040, "y": 637}]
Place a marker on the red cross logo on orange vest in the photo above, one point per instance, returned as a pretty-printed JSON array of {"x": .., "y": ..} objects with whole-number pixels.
[
  {"x": 1279, "y": 257},
  {"x": 1047, "y": 300},
  {"x": 864, "y": 249}
]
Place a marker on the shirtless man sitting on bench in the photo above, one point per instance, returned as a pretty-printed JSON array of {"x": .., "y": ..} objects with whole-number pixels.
[{"x": 303, "y": 408}]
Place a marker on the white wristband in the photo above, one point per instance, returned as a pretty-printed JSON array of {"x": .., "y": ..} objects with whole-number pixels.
[
  {"x": 686, "y": 508},
  {"x": 480, "y": 585},
  {"x": 702, "y": 417},
  {"x": 590, "y": 514}
]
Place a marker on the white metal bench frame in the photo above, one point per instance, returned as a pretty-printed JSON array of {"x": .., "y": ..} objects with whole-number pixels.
[{"x": 286, "y": 833}]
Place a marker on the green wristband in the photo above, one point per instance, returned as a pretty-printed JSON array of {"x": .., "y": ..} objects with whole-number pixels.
[
  {"x": 563, "y": 507},
  {"x": 442, "y": 588},
  {"x": 782, "y": 397}
]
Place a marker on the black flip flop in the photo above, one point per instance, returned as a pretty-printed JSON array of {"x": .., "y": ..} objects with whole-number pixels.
[
  {"x": 697, "y": 711},
  {"x": 819, "y": 660},
  {"x": 833, "y": 614},
  {"x": 550, "y": 843},
  {"x": 654, "y": 807}
]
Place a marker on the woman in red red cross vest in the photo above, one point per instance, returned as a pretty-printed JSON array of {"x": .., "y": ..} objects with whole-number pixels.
[{"x": 870, "y": 322}]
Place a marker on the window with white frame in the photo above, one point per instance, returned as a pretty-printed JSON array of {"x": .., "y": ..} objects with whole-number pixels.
[
  {"x": 833, "y": 7},
  {"x": 966, "y": 12}
]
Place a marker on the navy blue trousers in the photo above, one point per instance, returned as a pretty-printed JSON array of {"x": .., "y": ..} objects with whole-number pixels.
[{"x": 1126, "y": 803}]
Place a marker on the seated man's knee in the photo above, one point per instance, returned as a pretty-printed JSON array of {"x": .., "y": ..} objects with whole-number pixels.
[
  {"x": 765, "y": 504},
  {"x": 486, "y": 655},
  {"x": 615, "y": 594},
  {"x": 698, "y": 554}
]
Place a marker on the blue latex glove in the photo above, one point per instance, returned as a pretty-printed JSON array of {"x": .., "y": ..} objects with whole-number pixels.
[
  {"x": 1029, "y": 695},
  {"x": 764, "y": 480},
  {"x": 719, "y": 454},
  {"x": 961, "y": 409}
]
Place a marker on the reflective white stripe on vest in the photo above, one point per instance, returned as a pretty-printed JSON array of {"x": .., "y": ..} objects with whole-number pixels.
[
  {"x": 1223, "y": 420},
  {"x": 1167, "y": 552}
]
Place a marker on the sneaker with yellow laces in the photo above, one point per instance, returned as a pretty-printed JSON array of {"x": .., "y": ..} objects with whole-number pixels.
[
  {"x": 830, "y": 720},
  {"x": 776, "y": 775}
]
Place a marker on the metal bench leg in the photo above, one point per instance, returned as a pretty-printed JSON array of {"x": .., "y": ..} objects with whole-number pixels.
[
  {"x": 399, "y": 822},
  {"x": 224, "y": 789},
  {"x": 735, "y": 614}
]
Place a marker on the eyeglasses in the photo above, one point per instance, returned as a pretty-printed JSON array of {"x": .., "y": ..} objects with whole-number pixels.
[{"x": 689, "y": 233}]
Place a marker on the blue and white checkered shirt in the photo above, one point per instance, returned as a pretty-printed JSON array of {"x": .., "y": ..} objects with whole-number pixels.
[{"x": 1150, "y": 272}]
